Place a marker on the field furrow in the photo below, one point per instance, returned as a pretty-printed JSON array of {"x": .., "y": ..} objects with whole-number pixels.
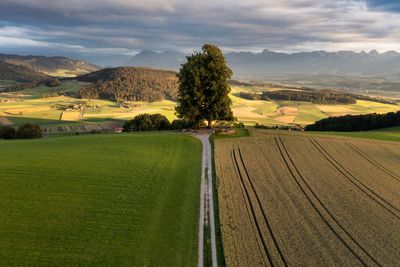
[
  {"x": 357, "y": 182},
  {"x": 233, "y": 205},
  {"x": 367, "y": 173},
  {"x": 270, "y": 234},
  {"x": 326, "y": 215},
  {"x": 350, "y": 207},
  {"x": 374, "y": 162},
  {"x": 310, "y": 201},
  {"x": 254, "y": 210}
]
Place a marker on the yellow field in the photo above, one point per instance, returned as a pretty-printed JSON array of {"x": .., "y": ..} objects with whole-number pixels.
[
  {"x": 71, "y": 116},
  {"x": 31, "y": 105},
  {"x": 293, "y": 112},
  {"x": 289, "y": 199}
]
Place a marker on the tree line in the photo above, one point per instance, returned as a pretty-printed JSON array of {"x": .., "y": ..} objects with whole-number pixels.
[
  {"x": 26, "y": 131},
  {"x": 154, "y": 122},
  {"x": 34, "y": 84},
  {"x": 350, "y": 123},
  {"x": 317, "y": 97}
]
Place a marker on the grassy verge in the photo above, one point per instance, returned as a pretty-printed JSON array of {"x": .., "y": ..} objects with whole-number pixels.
[
  {"x": 207, "y": 256},
  {"x": 218, "y": 234},
  {"x": 239, "y": 132}
]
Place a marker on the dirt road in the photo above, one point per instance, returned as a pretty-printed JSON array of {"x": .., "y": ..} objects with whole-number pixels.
[{"x": 206, "y": 198}]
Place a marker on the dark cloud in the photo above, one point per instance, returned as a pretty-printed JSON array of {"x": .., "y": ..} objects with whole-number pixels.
[
  {"x": 385, "y": 5},
  {"x": 103, "y": 28}
]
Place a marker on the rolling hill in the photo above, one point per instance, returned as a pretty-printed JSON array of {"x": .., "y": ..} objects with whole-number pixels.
[
  {"x": 130, "y": 83},
  {"x": 20, "y": 73},
  {"x": 53, "y": 66}
]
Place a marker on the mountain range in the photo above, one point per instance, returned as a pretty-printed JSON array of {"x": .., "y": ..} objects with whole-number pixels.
[{"x": 267, "y": 63}]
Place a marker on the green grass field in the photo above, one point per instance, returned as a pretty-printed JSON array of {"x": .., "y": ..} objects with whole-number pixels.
[{"x": 112, "y": 200}]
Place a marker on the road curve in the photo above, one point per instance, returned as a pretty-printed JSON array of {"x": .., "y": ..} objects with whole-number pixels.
[{"x": 206, "y": 195}]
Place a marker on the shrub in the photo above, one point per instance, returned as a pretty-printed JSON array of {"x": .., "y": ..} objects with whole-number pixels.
[
  {"x": 147, "y": 122},
  {"x": 160, "y": 122},
  {"x": 27, "y": 131},
  {"x": 180, "y": 124},
  {"x": 53, "y": 83},
  {"x": 7, "y": 132}
]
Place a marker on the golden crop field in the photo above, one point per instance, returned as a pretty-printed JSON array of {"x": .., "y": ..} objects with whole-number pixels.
[
  {"x": 39, "y": 105},
  {"x": 292, "y": 199}
]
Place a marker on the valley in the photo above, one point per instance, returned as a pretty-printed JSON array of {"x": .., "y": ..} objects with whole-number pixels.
[{"x": 49, "y": 108}]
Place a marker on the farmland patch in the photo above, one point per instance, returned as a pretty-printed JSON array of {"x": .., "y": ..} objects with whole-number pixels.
[{"x": 291, "y": 200}]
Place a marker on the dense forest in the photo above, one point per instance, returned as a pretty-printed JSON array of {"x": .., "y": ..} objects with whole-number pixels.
[
  {"x": 350, "y": 123},
  {"x": 21, "y": 86},
  {"x": 129, "y": 83},
  {"x": 250, "y": 96},
  {"x": 318, "y": 97}
]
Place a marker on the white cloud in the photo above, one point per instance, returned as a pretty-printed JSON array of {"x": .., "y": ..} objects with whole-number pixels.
[{"x": 120, "y": 26}]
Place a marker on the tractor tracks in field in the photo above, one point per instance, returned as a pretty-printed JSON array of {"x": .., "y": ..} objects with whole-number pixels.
[
  {"x": 355, "y": 181},
  {"x": 392, "y": 152},
  {"x": 373, "y": 162},
  {"x": 283, "y": 261},
  {"x": 324, "y": 213},
  {"x": 252, "y": 216}
]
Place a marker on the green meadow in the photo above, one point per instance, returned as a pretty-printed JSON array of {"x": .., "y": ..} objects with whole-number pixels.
[{"x": 128, "y": 199}]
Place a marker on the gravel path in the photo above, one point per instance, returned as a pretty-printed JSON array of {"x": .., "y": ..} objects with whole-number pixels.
[{"x": 206, "y": 195}]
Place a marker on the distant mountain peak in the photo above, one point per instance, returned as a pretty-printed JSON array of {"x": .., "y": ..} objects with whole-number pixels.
[
  {"x": 269, "y": 62},
  {"x": 374, "y": 52}
]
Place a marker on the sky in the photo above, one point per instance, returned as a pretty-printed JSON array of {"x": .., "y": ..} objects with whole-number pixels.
[{"x": 110, "y": 31}]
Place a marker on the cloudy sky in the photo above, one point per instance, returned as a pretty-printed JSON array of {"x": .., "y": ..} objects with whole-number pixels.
[{"x": 105, "y": 30}]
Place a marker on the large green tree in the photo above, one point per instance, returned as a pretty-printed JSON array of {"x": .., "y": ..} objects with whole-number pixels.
[{"x": 203, "y": 87}]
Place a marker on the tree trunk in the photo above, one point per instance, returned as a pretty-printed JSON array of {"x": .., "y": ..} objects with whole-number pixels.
[{"x": 209, "y": 124}]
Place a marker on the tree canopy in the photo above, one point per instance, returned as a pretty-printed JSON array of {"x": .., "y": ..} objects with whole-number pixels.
[
  {"x": 203, "y": 87},
  {"x": 350, "y": 123}
]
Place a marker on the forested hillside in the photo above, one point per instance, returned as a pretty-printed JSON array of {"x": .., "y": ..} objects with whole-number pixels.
[
  {"x": 20, "y": 73},
  {"x": 55, "y": 66},
  {"x": 129, "y": 83}
]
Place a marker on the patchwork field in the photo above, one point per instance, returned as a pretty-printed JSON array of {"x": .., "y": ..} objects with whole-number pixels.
[
  {"x": 296, "y": 112},
  {"x": 42, "y": 105},
  {"x": 117, "y": 200},
  {"x": 291, "y": 199}
]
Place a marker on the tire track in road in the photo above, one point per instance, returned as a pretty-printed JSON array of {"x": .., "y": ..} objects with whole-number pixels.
[
  {"x": 206, "y": 194},
  {"x": 351, "y": 242},
  {"x": 350, "y": 177},
  {"x": 282, "y": 256},
  {"x": 373, "y": 162},
  {"x": 245, "y": 194}
]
